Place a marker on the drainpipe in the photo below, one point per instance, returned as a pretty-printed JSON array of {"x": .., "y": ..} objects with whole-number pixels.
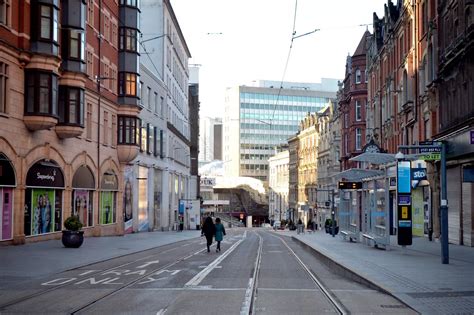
[{"x": 98, "y": 112}]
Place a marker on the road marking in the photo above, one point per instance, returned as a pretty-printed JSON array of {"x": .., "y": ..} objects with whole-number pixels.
[
  {"x": 201, "y": 275},
  {"x": 87, "y": 272},
  {"x": 274, "y": 251},
  {"x": 58, "y": 281},
  {"x": 148, "y": 263},
  {"x": 161, "y": 312},
  {"x": 280, "y": 289}
]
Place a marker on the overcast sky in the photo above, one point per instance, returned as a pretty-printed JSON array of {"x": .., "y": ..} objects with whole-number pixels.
[{"x": 238, "y": 41}]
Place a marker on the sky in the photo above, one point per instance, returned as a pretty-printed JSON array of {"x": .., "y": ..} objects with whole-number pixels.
[{"x": 235, "y": 42}]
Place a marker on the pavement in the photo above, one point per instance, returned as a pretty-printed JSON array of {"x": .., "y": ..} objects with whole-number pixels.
[{"x": 414, "y": 274}]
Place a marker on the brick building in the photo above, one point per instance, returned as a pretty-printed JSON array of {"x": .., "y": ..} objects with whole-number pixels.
[
  {"x": 352, "y": 104},
  {"x": 68, "y": 114}
]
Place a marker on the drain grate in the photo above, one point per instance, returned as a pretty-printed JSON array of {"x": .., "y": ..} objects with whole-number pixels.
[{"x": 393, "y": 306}]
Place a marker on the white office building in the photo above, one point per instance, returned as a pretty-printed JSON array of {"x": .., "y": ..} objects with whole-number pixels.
[{"x": 261, "y": 117}]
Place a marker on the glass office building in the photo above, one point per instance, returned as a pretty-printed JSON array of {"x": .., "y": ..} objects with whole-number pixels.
[{"x": 257, "y": 119}]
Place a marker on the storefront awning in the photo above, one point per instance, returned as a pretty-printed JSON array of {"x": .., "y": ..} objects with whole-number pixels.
[
  {"x": 357, "y": 174},
  {"x": 374, "y": 158}
]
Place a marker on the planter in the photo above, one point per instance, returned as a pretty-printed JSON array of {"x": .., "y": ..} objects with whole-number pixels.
[{"x": 72, "y": 239}]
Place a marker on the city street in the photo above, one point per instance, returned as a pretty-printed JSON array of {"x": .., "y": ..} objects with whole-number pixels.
[{"x": 258, "y": 271}]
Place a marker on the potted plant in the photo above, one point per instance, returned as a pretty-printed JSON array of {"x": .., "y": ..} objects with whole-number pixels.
[{"x": 73, "y": 236}]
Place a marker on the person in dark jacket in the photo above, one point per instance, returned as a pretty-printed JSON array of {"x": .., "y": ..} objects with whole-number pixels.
[
  {"x": 220, "y": 232},
  {"x": 209, "y": 230}
]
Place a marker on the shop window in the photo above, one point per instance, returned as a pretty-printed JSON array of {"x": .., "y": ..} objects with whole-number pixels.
[
  {"x": 107, "y": 207},
  {"x": 43, "y": 203},
  {"x": 108, "y": 198},
  {"x": 128, "y": 39},
  {"x": 71, "y": 105},
  {"x": 128, "y": 84},
  {"x": 127, "y": 130},
  {"x": 41, "y": 93},
  {"x": 82, "y": 206}
]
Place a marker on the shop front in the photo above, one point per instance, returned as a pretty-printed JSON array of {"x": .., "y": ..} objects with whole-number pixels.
[
  {"x": 43, "y": 199},
  {"x": 7, "y": 185},
  {"x": 108, "y": 198},
  {"x": 83, "y": 186}
]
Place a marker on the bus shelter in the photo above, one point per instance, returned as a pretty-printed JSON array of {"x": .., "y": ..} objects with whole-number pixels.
[{"x": 374, "y": 198}]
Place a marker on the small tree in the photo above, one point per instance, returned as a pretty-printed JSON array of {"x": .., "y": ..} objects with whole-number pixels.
[{"x": 73, "y": 223}]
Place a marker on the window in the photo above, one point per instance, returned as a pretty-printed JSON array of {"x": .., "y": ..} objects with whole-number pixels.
[
  {"x": 127, "y": 130},
  {"x": 41, "y": 93},
  {"x": 71, "y": 105},
  {"x": 150, "y": 141},
  {"x": 130, "y": 3},
  {"x": 366, "y": 76},
  {"x": 143, "y": 138},
  {"x": 358, "y": 139},
  {"x": 90, "y": 12},
  {"x": 90, "y": 63},
  {"x": 128, "y": 39},
  {"x": 106, "y": 30},
  {"x": 44, "y": 22},
  {"x": 105, "y": 134},
  {"x": 156, "y": 103},
  {"x": 114, "y": 130},
  {"x": 3, "y": 86},
  {"x": 148, "y": 97},
  {"x": 357, "y": 76},
  {"x": 358, "y": 110},
  {"x": 5, "y": 12},
  {"x": 89, "y": 121},
  {"x": 75, "y": 44},
  {"x": 128, "y": 84},
  {"x": 114, "y": 32}
]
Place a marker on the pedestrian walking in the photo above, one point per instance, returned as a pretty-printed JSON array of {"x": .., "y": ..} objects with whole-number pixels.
[
  {"x": 220, "y": 232},
  {"x": 209, "y": 230}
]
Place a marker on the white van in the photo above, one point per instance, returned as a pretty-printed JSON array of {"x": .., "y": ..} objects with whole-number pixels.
[{"x": 276, "y": 224}]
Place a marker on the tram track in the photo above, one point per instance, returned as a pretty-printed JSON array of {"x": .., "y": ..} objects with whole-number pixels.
[
  {"x": 24, "y": 298},
  {"x": 320, "y": 287}
]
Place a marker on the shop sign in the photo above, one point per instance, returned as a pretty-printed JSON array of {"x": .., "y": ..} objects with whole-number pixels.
[
  {"x": 109, "y": 182},
  {"x": 40, "y": 175},
  {"x": 418, "y": 173}
]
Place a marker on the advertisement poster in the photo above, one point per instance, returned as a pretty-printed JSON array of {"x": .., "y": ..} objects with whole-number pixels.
[
  {"x": 6, "y": 217},
  {"x": 107, "y": 207},
  {"x": 404, "y": 177},
  {"x": 418, "y": 212},
  {"x": 128, "y": 200},
  {"x": 81, "y": 205},
  {"x": 42, "y": 205},
  {"x": 142, "y": 202}
]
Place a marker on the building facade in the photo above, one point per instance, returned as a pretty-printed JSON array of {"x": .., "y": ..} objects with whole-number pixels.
[
  {"x": 278, "y": 186},
  {"x": 67, "y": 101},
  {"x": 166, "y": 58},
  {"x": 210, "y": 139},
  {"x": 353, "y": 103},
  {"x": 259, "y": 118}
]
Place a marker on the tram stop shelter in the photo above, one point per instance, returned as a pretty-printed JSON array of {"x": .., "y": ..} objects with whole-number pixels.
[{"x": 364, "y": 214}]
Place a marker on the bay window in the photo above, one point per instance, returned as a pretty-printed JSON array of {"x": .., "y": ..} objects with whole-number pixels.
[
  {"x": 73, "y": 46},
  {"x": 41, "y": 93},
  {"x": 128, "y": 39},
  {"x": 128, "y": 130},
  {"x": 71, "y": 105},
  {"x": 128, "y": 84}
]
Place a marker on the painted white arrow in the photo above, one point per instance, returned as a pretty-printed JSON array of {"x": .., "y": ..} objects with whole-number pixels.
[{"x": 149, "y": 263}]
